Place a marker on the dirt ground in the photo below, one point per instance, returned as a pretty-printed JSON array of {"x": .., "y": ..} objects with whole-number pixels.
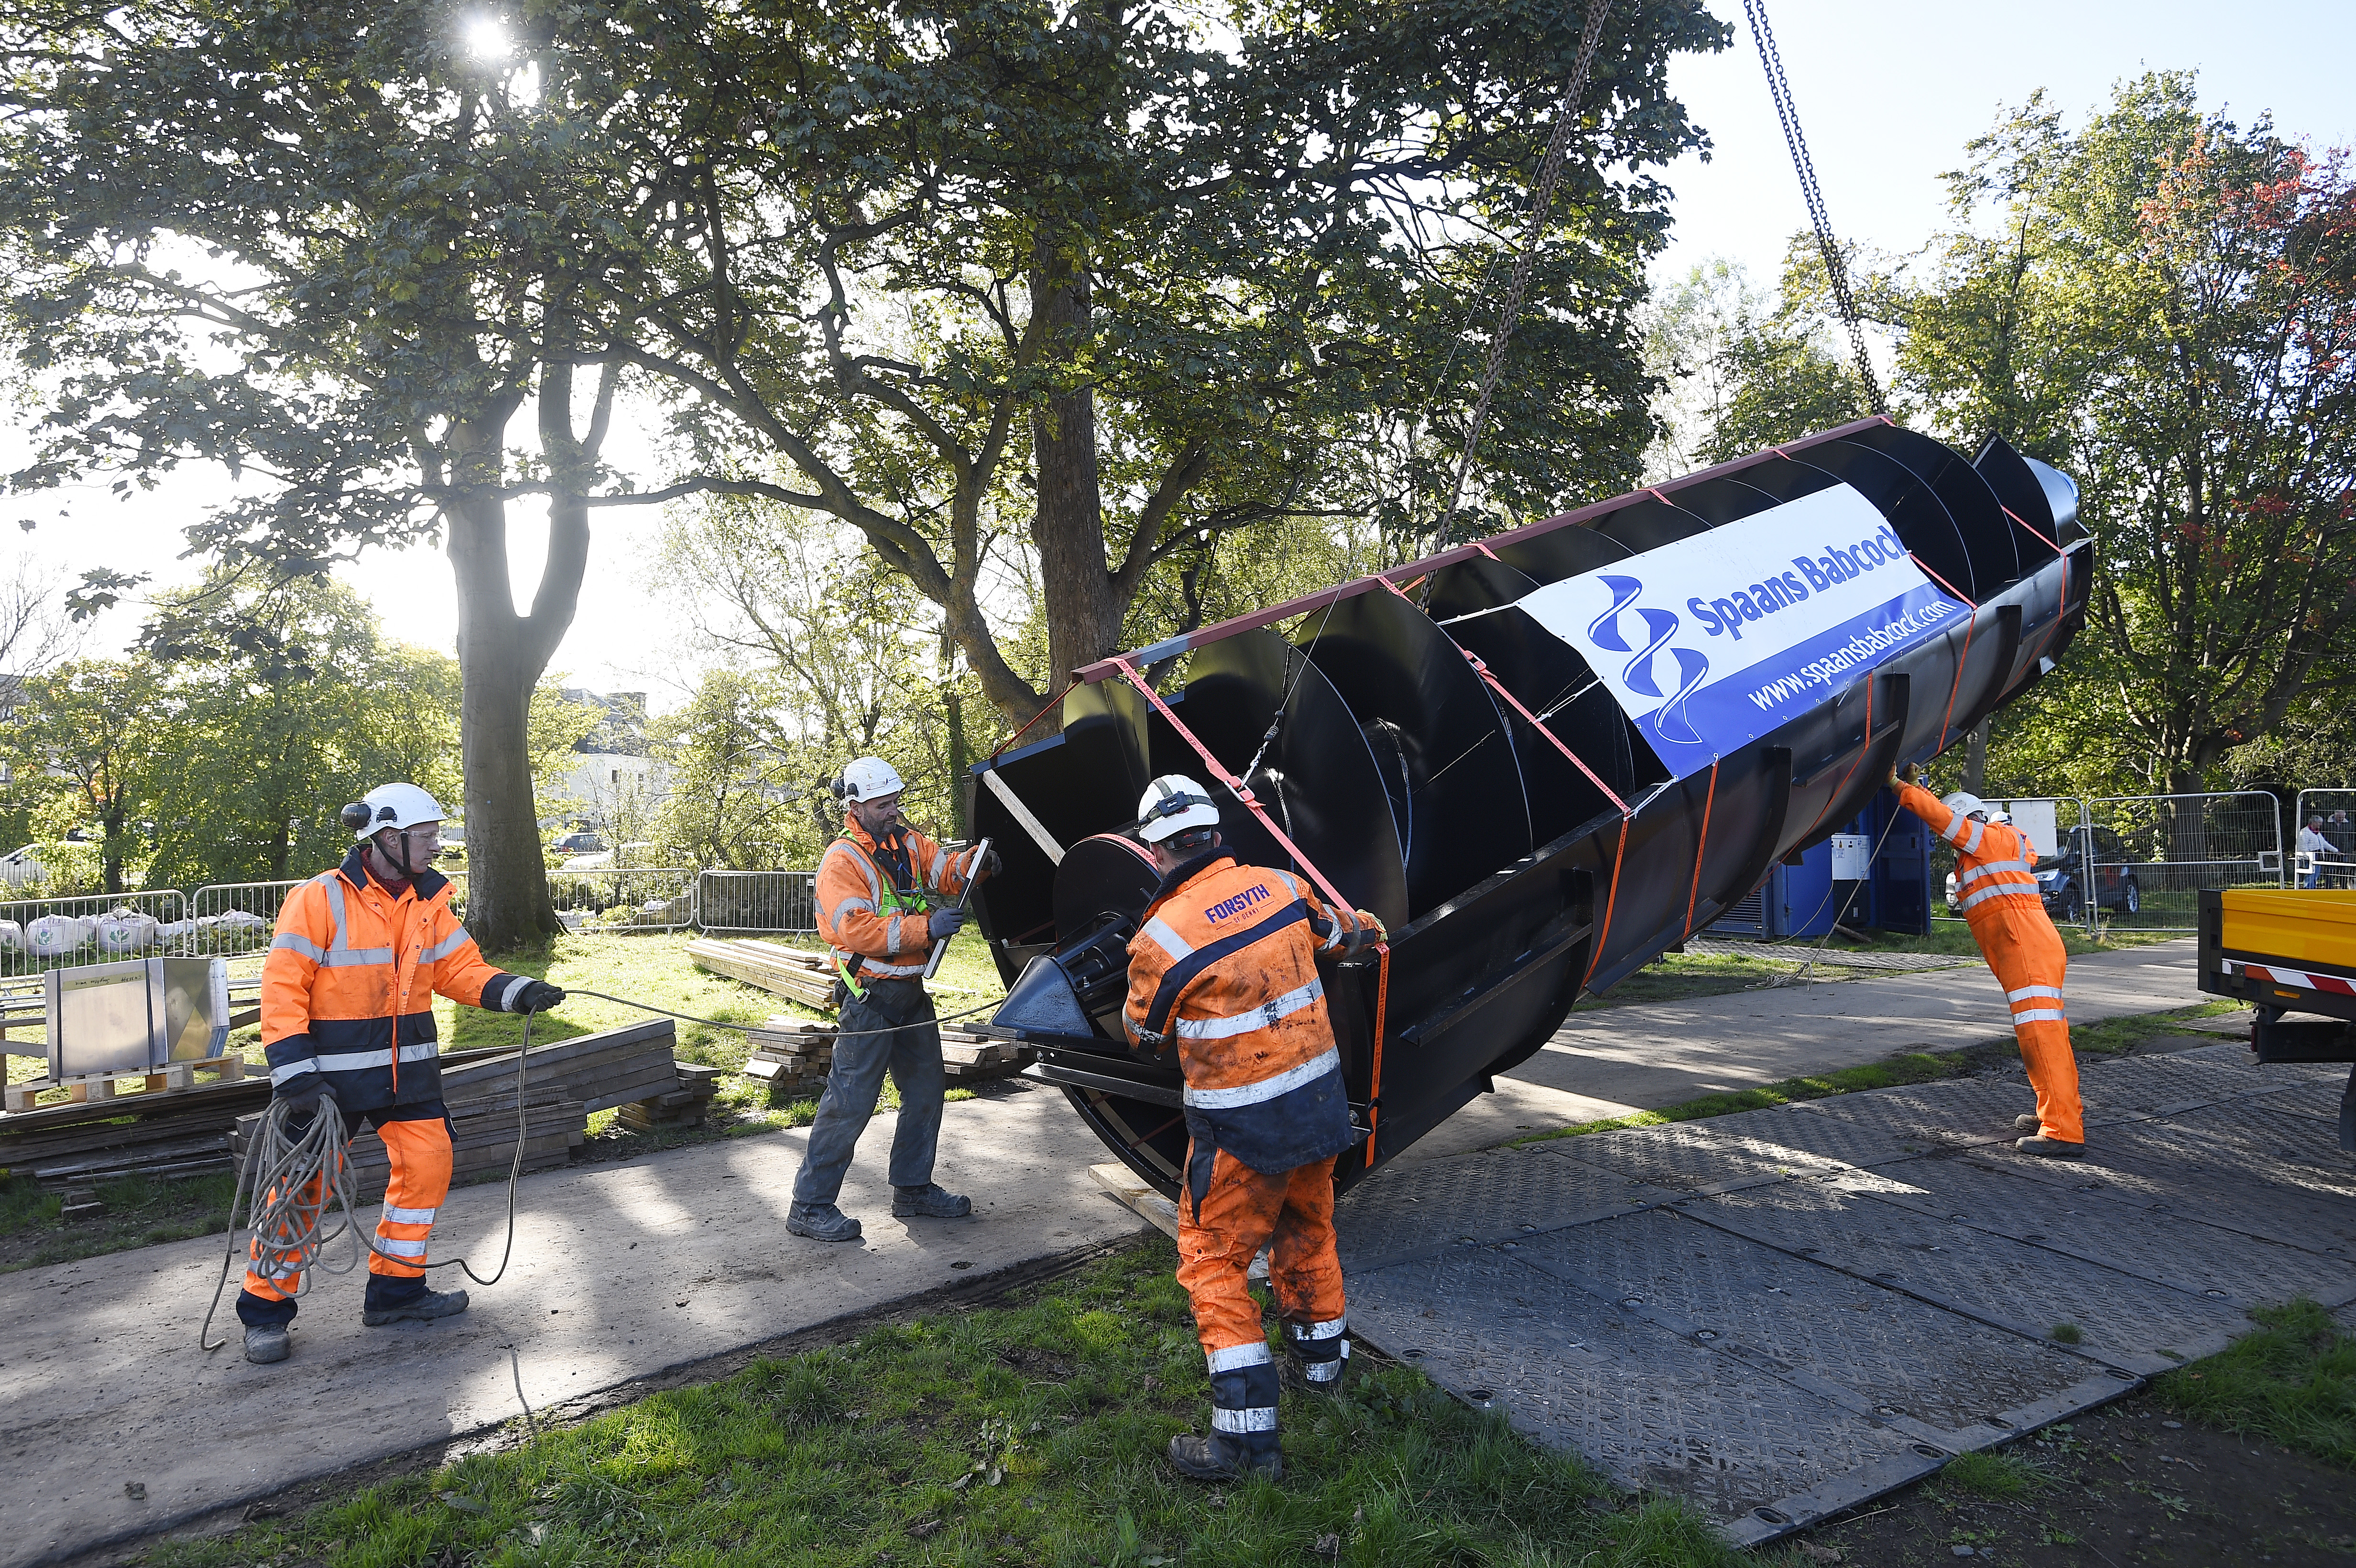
[{"x": 2130, "y": 1483}]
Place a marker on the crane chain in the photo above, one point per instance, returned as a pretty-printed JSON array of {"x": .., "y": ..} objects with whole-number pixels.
[{"x": 1796, "y": 140}]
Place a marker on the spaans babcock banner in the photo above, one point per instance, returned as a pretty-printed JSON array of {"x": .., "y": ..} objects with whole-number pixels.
[{"x": 1715, "y": 640}]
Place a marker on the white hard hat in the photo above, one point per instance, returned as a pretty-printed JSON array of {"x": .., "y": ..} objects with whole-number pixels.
[
  {"x": 870, "y": 778},
  {"x": 1999, "y": 816},
  {"x": 1963, "y": 802},
  {"x": 1171, "y": 805},
  {"x": 390, "y": 806}
]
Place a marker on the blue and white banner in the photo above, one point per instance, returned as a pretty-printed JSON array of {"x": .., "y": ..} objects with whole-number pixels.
[{"x": 1713, "y": 641}]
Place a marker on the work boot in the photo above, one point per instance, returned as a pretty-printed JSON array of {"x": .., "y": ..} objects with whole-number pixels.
[
  {"x": 266, "y": 1344},
  {"x": 1219, "y": 1458},
  {"x": 821, "y": 1223},
  {"x": 929, "y": 1202},
  {"x": 2027, "y": 1121},
  {"x": 2051, "y": 1148},
  {"x": 425, "y": 1306}
]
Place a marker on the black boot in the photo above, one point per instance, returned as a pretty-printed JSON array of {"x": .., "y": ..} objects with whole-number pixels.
[{"x": 1220, "y": 1458}]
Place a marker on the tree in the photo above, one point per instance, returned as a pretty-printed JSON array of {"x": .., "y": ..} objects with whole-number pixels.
[
  {"x": 92, "y": 737},
  {"x": 1782, "y": 380},
  {"x": 2166, "y": 307},
  {"x": 334, "y": 251}
]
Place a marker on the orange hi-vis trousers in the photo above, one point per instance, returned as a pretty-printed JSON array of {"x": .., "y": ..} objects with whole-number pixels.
[
  {"x": 1227, "y": 1215},
  {"x": 2026, "y": 955},
  {"x": 421, "y": 1180}
]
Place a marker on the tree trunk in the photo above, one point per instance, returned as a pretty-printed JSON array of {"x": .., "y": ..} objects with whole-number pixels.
[
  {"x": 1975, "y": 758},
  {"x": 1083, "y": 614}
]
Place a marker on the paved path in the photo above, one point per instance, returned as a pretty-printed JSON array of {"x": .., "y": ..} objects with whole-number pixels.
[
  {"x": 621, "y": 1271},
  {"x": 1783, "y": 1313},
  {"x": 1609, "y": 1062}
]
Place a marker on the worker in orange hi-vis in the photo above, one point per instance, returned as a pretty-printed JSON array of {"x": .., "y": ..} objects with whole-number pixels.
[
  {"x": 1224, "y": 968},
  {"x": 1995, "y": 884}
]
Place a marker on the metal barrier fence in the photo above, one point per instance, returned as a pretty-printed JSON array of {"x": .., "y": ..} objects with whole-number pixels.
[
  {"x": 41, "y": 934},
  {"x": 2138, "y": 862},
  {"x": 2333, "y": 865},
  {"x": 235, "y": 919},
  {"x": 750, "y": 901},
  {"x": 648, "y": 899}
]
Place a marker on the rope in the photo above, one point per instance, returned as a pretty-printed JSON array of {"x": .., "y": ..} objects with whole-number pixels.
[{"x": 1509, "y": 314}]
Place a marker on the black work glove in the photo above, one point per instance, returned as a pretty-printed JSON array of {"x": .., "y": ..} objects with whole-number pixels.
[
  {"x": 306, "y": 1093},
  {"x": 945, "y": 922},
  {"x": 992, "y": 865},
  {"x": 535, "y": 996}
]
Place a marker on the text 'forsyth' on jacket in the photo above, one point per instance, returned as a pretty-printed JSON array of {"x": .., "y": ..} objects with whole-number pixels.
[
  {"x": 347, "y": 989},
  {"x": 1226, "y": 967},
  {"x": 871, "y": 899}
]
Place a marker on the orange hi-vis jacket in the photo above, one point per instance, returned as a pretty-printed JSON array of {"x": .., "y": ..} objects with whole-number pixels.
[
  {"x": 1993, "y": 862},
  {"x": 1225, "y": 964},
  {"x": 871, "y": 899},
  {"x": 347, "y": 989}
]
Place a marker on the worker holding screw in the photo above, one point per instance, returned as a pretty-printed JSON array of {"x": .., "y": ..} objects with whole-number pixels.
[
  {"x": 1995, "y": 884},
  {"x": 1224, "y": 968}
]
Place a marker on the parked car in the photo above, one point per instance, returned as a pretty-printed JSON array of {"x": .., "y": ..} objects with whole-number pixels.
[
  {"x": 20, "y": 867},
  {"x": 2063, "y": 884},
  {"x": 580, "y": 841}
]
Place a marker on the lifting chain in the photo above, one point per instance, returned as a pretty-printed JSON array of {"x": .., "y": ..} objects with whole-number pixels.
[{"x": 1797, "y": 141}]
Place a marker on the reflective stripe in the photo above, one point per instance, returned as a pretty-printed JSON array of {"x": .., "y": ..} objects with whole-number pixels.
[
  {"x": 1972, "y": 847},
  {"x": 1261, "y": 1418},
  {"x": 2002, "y": 890},
  {"x": 1234, "y": 1357},
  {"x": 400, "y": 1248},
  {"x": 342, "y": 957},
  {"x": 892, "y": 935},
  {"x": 397, "y": 1216},
  {"x": 866, "y": 864},
  {"x": 291, "y": 1069},
  {"x": 359, "y": 1060},
  {"x": 853, "y": 906},
  {"x": 1990, "y": 867},
  {"x": 891, "y": 971},
  {"x": 1169, "y": 941},
  {"x": 1327, "y": 1372},
  {"x": 940, "y": 865},
  {"x": 295, "y": 941},
  {"x": 2025, "y": 991},
  {"x": 1954, "y": 832},
  {"x": 2052, "y": 1015},
  {"x": 335, "y": 881},
  {"x": 1317, "y": 1330},
  {"x": 1266, "y": 1088},
  {"x": 1261, "y": 1017},
  {"x": 446, "y": 946},
  {"x": 285, "y": 1271}
]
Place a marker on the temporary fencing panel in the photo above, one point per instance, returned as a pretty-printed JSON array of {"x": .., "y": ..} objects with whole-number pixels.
[
  {"x": 644, "y": 899},
  {"x": 750, "y": 901},
  {"x": 41, "y": 934},
  {"x": 2334, "y": 866},
  {"x": 2138, "y": 862},
  {"x": 236, "y": 919}
]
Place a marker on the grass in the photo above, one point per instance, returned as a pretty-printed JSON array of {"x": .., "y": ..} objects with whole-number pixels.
[
  {"x": 1986, "y": 1475},
  {"x": 1029, "y": 1433},
  {"x": 2066, "y": 1334},
  {"x": 2292, "y": 1380},
  {"x": 2116, "y": 1036}
]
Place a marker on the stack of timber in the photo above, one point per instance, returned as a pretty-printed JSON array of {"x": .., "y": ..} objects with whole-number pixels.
[
  {"x": 179, "y": 1132},
  {"x": 684, "y": 1106},
  {"x": 791, "y": 1055},
  {"x": 793, "y": 973},
  {"x": 967, "y": 1057}
]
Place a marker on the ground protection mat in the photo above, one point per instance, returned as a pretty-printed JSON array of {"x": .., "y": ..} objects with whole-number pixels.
[{"x": 1782, "y": 1313}]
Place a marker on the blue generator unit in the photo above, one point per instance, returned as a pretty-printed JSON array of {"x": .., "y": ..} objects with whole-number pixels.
[{"x": 1847, "y": 879}]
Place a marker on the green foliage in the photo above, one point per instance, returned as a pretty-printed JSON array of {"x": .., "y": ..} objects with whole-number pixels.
[
  {"x": 90, "y": 751},
  {"x": 2162, "y": 304},
  {"x": 2291, "y": 1381},
  {"x": 1029, "y": 1433},
  {"x": 1988, "y": 1475}
]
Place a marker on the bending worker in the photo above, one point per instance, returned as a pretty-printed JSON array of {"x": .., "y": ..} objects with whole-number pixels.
[
  {"x": 1996, "y": 889},
  {"x": 1226, "y": 967},
  {"x": 873, "y": 911},
  {"x": 347, "y": 996}
]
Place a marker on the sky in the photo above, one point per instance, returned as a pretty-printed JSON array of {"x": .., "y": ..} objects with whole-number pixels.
[{"x": 1887, "y": 94}]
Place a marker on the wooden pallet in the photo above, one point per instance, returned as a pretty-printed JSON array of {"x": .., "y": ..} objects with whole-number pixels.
[
  {"x": 967, "y": 1057},
  {"x": 177, "y": 1078}
]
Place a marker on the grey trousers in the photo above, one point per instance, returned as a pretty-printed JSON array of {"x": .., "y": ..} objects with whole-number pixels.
[{"x": 912, "y": 1051}]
